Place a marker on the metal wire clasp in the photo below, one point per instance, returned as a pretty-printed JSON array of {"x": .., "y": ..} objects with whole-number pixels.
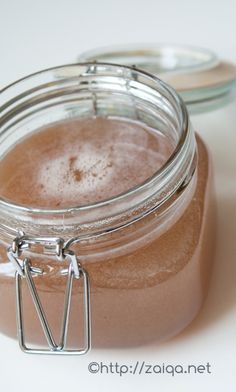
[{"x": 25, "y": 270}]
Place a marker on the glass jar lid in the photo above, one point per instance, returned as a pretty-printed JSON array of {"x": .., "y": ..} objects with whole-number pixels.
[{"x": 197, "y": 74}]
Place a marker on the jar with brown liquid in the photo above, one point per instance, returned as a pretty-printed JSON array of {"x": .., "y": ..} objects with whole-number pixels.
[{"x": 107, "y": 210}]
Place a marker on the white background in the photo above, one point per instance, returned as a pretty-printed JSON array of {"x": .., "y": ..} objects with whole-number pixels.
[{"x": 44, "y": 33}]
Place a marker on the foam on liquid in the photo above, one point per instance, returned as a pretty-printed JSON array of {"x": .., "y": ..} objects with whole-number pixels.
[{"x": 81, "y": 161}]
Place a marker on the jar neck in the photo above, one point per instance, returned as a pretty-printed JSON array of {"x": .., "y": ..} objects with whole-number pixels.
[
  {"x": 116, "y": 241},
  {"x": 85, "y": 90}
]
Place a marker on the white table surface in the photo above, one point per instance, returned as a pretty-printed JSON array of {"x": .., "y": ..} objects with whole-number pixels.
[{"x": 39, "y": 34}]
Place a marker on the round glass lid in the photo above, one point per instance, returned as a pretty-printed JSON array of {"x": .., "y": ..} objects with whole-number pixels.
[{"x": 197, "y": 74}]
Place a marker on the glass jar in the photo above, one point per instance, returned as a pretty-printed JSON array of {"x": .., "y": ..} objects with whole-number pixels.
[{"x": 140, "y": 261}]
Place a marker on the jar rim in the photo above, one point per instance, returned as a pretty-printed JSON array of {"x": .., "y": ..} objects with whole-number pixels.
[{"x": 64, "y": 72}]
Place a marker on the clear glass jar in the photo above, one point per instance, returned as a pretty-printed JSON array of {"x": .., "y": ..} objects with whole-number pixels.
[{"x": 147, "y": 253}]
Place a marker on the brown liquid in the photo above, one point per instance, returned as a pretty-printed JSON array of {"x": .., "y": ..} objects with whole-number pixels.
[
  {"x": 81, "y": 162},
  {"x": 150, "y": 293}
]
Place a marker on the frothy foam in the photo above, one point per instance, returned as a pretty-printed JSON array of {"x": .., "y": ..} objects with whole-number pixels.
[{"x": 81, "y": 162}]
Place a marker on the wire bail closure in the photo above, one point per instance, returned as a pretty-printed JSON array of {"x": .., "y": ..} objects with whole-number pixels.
[{"x": 25, "y": 270}]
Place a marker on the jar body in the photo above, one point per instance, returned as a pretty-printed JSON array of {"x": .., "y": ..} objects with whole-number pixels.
[
  {"x": 147, "y": 251},
  {"x": 147, "y": 294}
]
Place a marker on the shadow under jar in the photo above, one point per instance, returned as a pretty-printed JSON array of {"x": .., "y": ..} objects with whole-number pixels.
[{"x": 103, "y": 181}]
